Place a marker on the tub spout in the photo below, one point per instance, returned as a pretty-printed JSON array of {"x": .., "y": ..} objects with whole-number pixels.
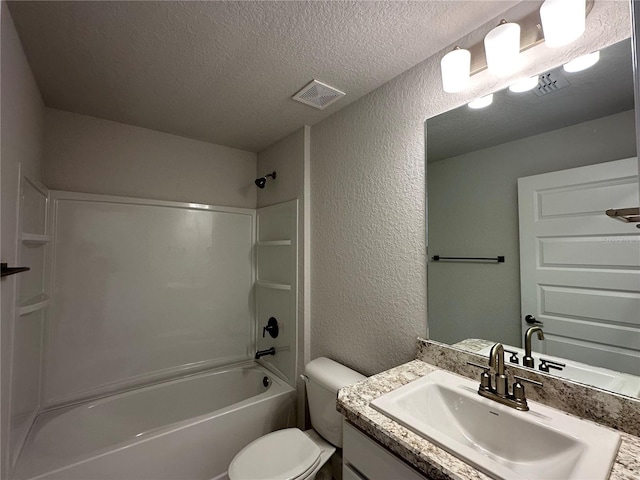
[{"x": 268, "y": 351}]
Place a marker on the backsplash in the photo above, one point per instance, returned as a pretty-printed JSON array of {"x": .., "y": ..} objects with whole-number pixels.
[{"x": 601, "y": 406}]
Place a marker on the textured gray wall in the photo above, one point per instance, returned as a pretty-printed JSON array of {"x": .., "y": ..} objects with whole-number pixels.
[
  {"x": 468, "y": 300},
  {"x": 286, "y": 157},
  {"x": 368, "y": 201},
  {"x": 91, "y": 155}
]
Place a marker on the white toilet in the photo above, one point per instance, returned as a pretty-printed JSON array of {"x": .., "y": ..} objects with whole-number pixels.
[{"x": 291, "y": 453}]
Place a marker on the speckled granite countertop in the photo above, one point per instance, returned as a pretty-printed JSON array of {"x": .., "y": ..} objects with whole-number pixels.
[
  {"x": 473, "y": 344},
  {"x": 431, "y": 460}
]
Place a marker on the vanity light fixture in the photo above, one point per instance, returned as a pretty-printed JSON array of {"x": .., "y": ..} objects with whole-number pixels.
[
  {"x": 502, "y": 48},
  {"x": 456, "y": 68},
  {"x": 481, "y": 102},
  {"x": 582, "y": 63},
  {"x": 525, "y": 85},
  {"x": 563, "y": 21}
]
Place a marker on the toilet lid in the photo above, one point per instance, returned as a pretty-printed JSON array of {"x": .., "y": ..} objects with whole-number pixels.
[{"x": 284, "y": 455}]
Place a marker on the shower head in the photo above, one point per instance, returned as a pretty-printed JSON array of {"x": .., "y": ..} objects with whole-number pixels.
[{"x": 262, "y": 181}]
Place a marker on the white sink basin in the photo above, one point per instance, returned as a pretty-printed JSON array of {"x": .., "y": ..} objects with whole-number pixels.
[{"x": 543, "y": 443}]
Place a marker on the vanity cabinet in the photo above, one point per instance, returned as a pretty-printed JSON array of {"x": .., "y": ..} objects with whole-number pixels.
[{"x": 364, "y": 459}]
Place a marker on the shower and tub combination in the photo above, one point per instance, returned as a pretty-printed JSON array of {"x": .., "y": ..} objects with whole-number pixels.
[{"x": 156, "y": 312}]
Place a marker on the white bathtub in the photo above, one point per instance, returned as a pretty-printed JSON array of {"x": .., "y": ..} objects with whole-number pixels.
[{"x": 189, "y": 428}]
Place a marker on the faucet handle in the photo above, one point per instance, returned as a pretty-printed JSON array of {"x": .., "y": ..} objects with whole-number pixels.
[
  {"x": 485, "y": 378},
  {"x": 272, "y": 327},
  {"x": 518, "y": 390},
  {"x": 514, "y": 356},
  {"x": 545, "y": 365},
  {"x": 526, "y": 380}
]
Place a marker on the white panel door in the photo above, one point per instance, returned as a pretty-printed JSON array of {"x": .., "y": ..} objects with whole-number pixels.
[{"x": 579, "y": 268}]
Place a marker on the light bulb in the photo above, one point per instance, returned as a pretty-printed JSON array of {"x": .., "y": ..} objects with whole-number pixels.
[
  {"x": 502, "y": 47},
  {"x": 563, "y": 21},
  {"x": 524, "y": 85},
  {"x": 456, "y": 68},
  {"x": 582, "y": 63},
  {"x": 481, "y": 102}
]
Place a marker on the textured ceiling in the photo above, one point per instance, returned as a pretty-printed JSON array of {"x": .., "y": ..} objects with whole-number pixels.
[
  {"x": 604, "y": 89},
  {"x": 224, "y": 72}
]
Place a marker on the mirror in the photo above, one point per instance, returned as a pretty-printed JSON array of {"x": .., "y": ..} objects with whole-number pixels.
[{"x": 560, "y": 140}]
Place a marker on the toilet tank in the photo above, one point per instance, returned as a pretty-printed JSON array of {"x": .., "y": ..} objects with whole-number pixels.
[{"x": 325, "y": 378}]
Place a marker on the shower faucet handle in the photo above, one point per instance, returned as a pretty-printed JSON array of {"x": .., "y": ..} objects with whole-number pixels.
[{"x": 271, "y": 327}]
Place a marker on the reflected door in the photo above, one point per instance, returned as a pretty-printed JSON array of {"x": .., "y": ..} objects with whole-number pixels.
[{"x": 579, "y": 269}]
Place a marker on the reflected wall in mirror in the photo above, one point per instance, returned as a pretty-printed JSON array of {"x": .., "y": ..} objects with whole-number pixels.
[{"x": 568, "y": 148}]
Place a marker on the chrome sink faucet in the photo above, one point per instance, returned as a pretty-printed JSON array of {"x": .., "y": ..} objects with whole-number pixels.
[
  {"x": 500, "y": 393},
  {"x": 527, "y": 360}
]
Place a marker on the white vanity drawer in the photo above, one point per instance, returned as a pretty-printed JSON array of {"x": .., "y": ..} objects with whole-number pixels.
[{"x": 364, "y": 459}]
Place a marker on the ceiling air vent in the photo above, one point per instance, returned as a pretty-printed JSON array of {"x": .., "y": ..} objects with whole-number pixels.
[
  {"x": 550, "y": 82},
  {"x": 318, "y": 95}
]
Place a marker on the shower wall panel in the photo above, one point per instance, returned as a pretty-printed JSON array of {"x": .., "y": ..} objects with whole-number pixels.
[
  {"x": 277, "y": 285},
  {"x": 144, "y": 290}
]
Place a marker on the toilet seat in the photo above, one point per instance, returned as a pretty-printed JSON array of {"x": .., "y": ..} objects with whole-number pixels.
[{"x": 286, "y": 454}]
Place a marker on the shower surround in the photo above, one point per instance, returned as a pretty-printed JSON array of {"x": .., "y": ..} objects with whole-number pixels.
[
  {"x": 150, "y": 332},
  {"x": 143, "y": 290}
]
